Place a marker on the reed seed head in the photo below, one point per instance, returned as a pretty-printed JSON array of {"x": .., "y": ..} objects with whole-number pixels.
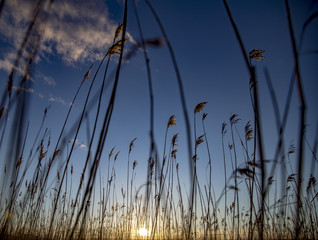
[
  {"x": 247, "y": 172},
  {"x": 172, "y": 121},
  {"x": 257, "y": 54},
  {"x": 291, "y": 178},
  {"x": 131, "y": 145},
  {"x": 223, "y": 128},
  {"x": 56, "y": 153},
  {"x": 118, "y": 30},
  {"x": 151, "y": 166},
  {"x": 111, "y": 153},
  {"x": 19, "y": 162},
  {"x": 42, "y": 153},
  {"x": 110, "y": 180},
  {"x": 164, "y": 161},
  {"x": 291, "y": 148},
  {"x": 173, "y": 153},
  {"x": 254, "y": 165},
  {"x": 116, "y": 48},
  {"x": 86, "y": 76},
  {"x": 199, "y": 107},
  {"x": 311, "y": 183},
  {"x": 116, "y": 156},
  {"x": 135, "y": 164},
  {"x": 46, "y": 109},
  {"x": 174, "y": 140},
  {"x": 199, "y": 140},
  {"x": 234, "y": 119},
  {"x": 248, "y": 131},
  {"x": 270, "y": 180}
]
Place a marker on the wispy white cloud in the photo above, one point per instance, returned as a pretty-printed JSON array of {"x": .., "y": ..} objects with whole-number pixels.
[
  {"x": 6, "y": 63},
  {"x": 83, "y": 146},
  {"x": 77, "y": 30},
  {"x": 15, "y": 18},
  {"x": 29, "y": 90},
  {"x": 46, "y": 79},
  {"x": 59, "y": 100},
  {"x": 79, "y": 144},
  {"x": 49, "y": 80}
]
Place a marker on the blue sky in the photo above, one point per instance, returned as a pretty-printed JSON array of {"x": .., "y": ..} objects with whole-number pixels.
[{"x": 78, "y": 33}]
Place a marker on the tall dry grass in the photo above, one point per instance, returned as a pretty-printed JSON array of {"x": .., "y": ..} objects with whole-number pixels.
[{"x": 34, "y": 208}]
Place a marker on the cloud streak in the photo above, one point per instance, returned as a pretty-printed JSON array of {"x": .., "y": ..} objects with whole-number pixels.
[
  {"x": 79, "y": 144},
  {"x": 59, "y": 100},
  {"x": 46, "y": 79},
  {"x": 77, "y": 31},
  {"x": 28, "y": 90}
]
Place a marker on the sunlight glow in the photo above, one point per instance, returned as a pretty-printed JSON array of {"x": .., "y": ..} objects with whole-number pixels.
[{"x": 142, "y": 232}]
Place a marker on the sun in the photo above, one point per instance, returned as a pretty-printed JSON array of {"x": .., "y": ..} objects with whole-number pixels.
[{"x": 142, "y": 232}]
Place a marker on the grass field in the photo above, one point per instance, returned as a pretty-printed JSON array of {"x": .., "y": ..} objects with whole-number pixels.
[{"x": 43, "y": 198}]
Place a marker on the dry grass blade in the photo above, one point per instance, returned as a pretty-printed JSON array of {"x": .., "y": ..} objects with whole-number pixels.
[
  {"x": 1, "y": 112},
  {"x": 1, "y": 5},
  {"x": 302, "y": 101},
  {"x": 182, "y": 94},
  {"x": 312, "y": 17}
]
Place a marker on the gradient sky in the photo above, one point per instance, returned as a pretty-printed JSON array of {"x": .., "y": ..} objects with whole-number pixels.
[{"x": 79, "y": 32}]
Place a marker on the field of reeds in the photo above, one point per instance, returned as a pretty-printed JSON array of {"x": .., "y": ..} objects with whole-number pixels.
[{"x": 44, "y": 196}]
